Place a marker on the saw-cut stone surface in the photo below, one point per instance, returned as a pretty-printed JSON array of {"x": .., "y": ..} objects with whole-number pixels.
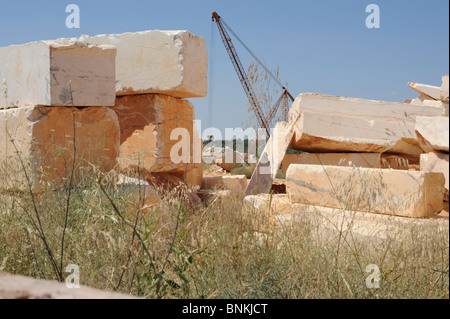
[
  {"x": 263, "y": 208},
  {"x": 340, "y": 124},
  {"x": 430, "y": 91},
  {"x": 271, "y": 159},
  {"x": 41, "y": 140},
  {"x": 166, "y": 62},
  {"x": 57, "y": 73},
  {"x": 369, "y": 160},
  {"x": 433, "y": 133},
  {"x": 20, "y": 287},
  {"x": 146, "y": 125},
  {"x": 333, "y": 224},
  {"x": 235, "y": 183},
  {"x": 316, "y": 132},
  {"x": 385, "y": 191},
  {"x": 445, "y": 89},
  {"x": 438, "y": 163}
]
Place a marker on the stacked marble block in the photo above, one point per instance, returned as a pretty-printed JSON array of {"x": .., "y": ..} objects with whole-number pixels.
[
  {"x": 128, "y": 95},
  {"x": 369, "y": 156}
]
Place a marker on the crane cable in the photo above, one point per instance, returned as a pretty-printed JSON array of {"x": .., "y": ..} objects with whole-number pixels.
[{"x": 252, "y": 54}]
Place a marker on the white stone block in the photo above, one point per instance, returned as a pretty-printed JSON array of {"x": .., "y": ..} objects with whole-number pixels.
[
  {"x": 339, "y": 124},
  {"x": 445, "y": 89},
  {"x": 174, "y": 63},
  {"x": 438, "y": 163},
  {"x": 385, "y": 191},
  {"x": 433, "y": 133},
  {"x": 433, "y": 92},
  {"x": 57, "y": 73}
]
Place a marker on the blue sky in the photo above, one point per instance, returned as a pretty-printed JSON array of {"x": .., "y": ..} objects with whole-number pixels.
[{"x": 320, "y": 46}]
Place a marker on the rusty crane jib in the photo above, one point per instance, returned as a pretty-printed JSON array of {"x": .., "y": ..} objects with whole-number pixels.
[{"x": 285, "y": 96}]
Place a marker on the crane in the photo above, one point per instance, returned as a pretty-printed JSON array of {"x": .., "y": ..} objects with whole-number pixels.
[{"x": 283, "y": 101}]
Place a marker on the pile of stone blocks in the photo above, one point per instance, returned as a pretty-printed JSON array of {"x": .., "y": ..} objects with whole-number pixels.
[
  {"x": 123, "y": 93},
  {"x": 362, "y": 155}
]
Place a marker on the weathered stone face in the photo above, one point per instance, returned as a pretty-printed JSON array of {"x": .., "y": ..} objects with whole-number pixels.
[
  {"x": 330, "y": 224},
  {"x": 146, "y": 124},
  {"x": 433, "y": 133},
  {"x": 445, "y": 89},
  {"x": 262, "y": 209},
  {"x": 235, "y": 183},
  {"x": 430, "y": 91},
  {"x": 394, "y": 192},
  {"x": 174, "y": 63},
  {"x": 334, "y": 133},
  {"x": 369, "y": 160},
  {"x": 42, "y": 138},
  {"x": 338, "y": 124},
  {"x": 271, "y": 159},
  {"x": 438, "y": 163},
  {"x": 57, "y": 73}
]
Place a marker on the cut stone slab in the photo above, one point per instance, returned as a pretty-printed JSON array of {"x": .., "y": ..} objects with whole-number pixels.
[
  {"x": 432, "y": 92},
  {"x": 174, "y": 63},
  {"x": 438, "y": 163},
  {"x": 316, "y": 132},
  {"x": 42, "y": 137},
  {"x": 146, "y": 125},
  {"x": 235, "y": 183},
  {"x": 20, "y": 287},
  {"x": 357, "y": 107},
  {"x": 369, "y": 160},
  {"x": 262, "y": 209},
  {"x": 57, "y": 73},
  {"x": 392, "y": 192},
  {"x": 340, "y": 124},
  {"x": 267, "y": 168},
  {"x": 445, "y": 89},
  {"x": 333, "y": 224},
  {"x": 433, "y": 133}
]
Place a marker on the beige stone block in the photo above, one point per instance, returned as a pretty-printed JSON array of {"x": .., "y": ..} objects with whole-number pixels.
[
  {"x": 438, "y": 163},
  {"x": 262, "y": 210},
  {"x": 194, "y": 174},
  {"x": 341, "y": 124},
  {"x": 235, "y": 183},
  {"x": 42, "y": 139},
  {"x": 316, "y": 132},
  {"x": 19, "y": 287},
  {"x": 369, "y": 160},
  {"x": 57, "y": 73},
  {"x": 357, "y": 107},
  {"x": 270, "y": 161},
  {"x": 146, "y": 125},
  {"x": 445, "y": 111},
  {"x": 166, "y": 62},
  {"x": 433, "y": 133},
  {"x": 445, "y": 89},
  {"x": 334, "y": 224},
  {"x": 393, "y": 192},
  {"x": 430, "y": 91}
]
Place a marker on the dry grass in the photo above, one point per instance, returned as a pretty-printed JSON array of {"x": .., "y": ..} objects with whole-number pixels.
[{"x": 172, "y": 250}]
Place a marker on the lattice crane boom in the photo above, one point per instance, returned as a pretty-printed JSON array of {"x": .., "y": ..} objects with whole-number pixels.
[
  {"x": 241, "y": 73},
  {"x": 285, "y": 96}
]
